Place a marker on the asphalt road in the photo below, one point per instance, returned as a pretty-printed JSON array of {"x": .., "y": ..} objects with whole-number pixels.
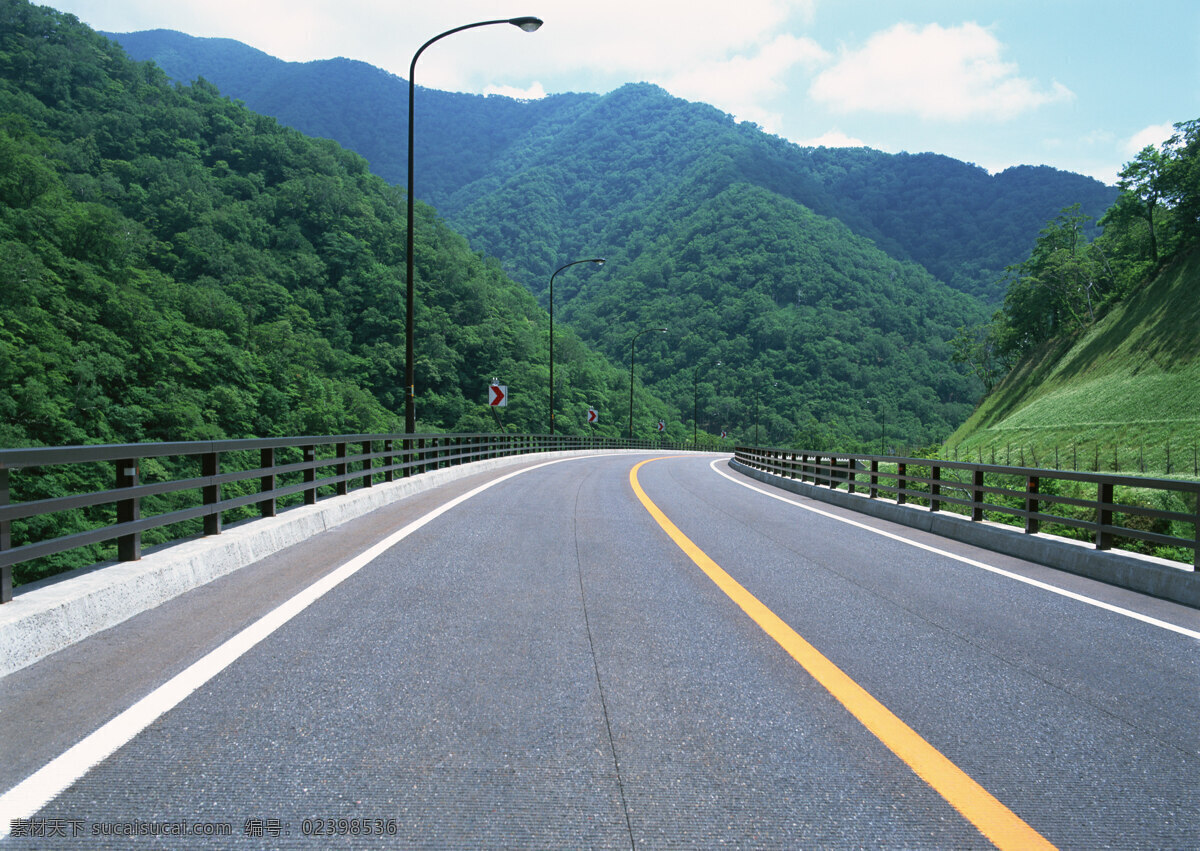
[{"x": 540, "y": 665}]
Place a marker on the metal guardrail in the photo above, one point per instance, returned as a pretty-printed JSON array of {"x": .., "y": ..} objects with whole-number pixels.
[
  {"x": 1032, "y": 503},
  {"x": 340, "y": 463}
]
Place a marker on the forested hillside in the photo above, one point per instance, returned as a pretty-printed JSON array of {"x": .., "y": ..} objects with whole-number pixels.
[
  {"x": 819, "y": 336},
  {"x": 1119, "y": 395},
  {"x": 1093, "y": 354},
  {"x": 174, "y": 266},
  {"x": 825, "y": 348}
]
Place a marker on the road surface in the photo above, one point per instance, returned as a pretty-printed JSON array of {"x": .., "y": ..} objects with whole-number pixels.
[{"x": 618, "y": 652}]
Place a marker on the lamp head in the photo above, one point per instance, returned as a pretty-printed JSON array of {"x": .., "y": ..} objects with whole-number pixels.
[
  {"x": 599, "y": 261},
  {"x": 527, "y": 24}
]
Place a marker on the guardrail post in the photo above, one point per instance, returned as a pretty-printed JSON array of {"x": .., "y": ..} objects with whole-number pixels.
[
  {"x": 935, "y": 487},
  {"x": 977, "y": 495},
  {"x": 310, "y": 474},
  {"x": 1104, "y": 517},
  {"x": 210, "y": 467},
  {"x": 833, "y": 482},
  {"x": 1031, "y": 505},
  {"x": 901, "y": 483},
  {"x": 339, "y": 469},
  {"x": 129, "y": 547},
  {"x": 873, "y": 492},
  {"x": 850, "y": 470},
  {"x": 407, "y": 446},
  {"x": 368, "y": 478},
  {"x": 388, "y": 459},
  {"x": 1196, "y": 536},
  {"x": 5, "y": 541},
  {"x": 266, "y": 508}
]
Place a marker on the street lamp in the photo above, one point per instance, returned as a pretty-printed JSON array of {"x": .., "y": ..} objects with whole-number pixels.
[
  {"x": 631, "y": 345},
  {"x": 696, "y": 399},
  {"x": 756, "y": 395},
  {"x": 599, "y": 261},
  {"x": 410, "y": 410}
]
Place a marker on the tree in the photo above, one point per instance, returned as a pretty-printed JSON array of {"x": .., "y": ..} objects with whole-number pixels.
[
  {"x": 980, "y": 348},
  {"x": 1180, "y": 181},
  {"x": 1142, "y": 182},
  {"x": 1056, "y": 289}
]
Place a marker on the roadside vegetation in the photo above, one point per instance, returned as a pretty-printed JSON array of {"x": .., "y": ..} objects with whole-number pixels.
[{"x": 1092, "y": 361}]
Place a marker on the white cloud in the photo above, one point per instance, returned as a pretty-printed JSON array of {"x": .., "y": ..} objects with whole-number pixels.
[
  {"x": 1154, "y": 135},
  {"x": 832, "y": 139},
  {"x": 940, "y": 73},
  {"x": 616, "y": 40},
  {"x": 740, "y": 84}
]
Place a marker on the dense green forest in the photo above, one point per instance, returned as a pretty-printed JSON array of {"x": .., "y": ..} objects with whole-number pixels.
[
  {"x": 240, "y": 278},
  {"x": 174, "y": 266},
  {"x": 816, "y": 298},
  {"x": 962, "y": 224}
]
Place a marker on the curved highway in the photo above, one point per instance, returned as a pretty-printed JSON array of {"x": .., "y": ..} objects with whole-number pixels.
[{"x": 618, "y": 651}]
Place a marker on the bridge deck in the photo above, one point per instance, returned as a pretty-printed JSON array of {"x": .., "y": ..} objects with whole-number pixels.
[{"x": 540, "y": 665}]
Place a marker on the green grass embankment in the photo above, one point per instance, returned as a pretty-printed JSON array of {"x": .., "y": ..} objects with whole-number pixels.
[{"x": 1124, "y": 396}]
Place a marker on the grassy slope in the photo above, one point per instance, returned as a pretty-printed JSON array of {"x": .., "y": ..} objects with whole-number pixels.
[{"x": 1128, "y": 388}]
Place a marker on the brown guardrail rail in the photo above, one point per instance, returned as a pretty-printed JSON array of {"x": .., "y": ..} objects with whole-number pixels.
[
  {"x": 1029, "y": 497},
  {"x": 247, "y": 476}
]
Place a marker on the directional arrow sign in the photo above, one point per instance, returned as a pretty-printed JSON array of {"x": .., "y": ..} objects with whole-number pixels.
[
  {"x": 499, "y": 395},
  {"x": 662, "y": 426},
  {"x": 593, "y": 416}
]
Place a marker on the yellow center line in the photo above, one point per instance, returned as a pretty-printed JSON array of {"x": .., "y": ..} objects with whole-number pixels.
[{"x": 994, "y": 820}]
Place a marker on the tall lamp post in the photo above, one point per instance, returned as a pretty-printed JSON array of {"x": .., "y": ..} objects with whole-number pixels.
[
  {"x": 696, "y": 400},
  {"x": 757, "y": 392},
  {"x": 632, "y": 343},
  {"x": 410, "y": 404},
  {"x": 599, "y": 261}
]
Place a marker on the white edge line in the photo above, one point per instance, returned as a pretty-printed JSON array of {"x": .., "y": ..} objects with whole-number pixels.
[
  {"x": 40, "y": 788},
  {"x": 982, "y": 566}
]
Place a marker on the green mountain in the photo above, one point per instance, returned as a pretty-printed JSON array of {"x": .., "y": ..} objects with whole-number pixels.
[
  {"x": 962, "y": 224},
  {"x": 174, "y": 266},
  {"x": 822, "y": 281}
]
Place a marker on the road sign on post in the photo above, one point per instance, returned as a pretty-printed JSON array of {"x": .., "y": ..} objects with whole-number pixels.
[
  {"x": 662, "y": 426},
  {"x": 498, "y": 395},
  {"x": 593, "y": 416}
]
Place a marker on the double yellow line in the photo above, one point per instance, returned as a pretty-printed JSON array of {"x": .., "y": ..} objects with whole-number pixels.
[{"x": 994, "y": 820}]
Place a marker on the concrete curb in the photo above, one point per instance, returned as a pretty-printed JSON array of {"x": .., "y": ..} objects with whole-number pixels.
[
  {"x": 47, "y": 616},
  {"x": 1144, "y": 574}
]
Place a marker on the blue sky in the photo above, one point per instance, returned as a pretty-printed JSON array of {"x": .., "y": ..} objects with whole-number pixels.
[{"x": 1077, "y": 85}]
